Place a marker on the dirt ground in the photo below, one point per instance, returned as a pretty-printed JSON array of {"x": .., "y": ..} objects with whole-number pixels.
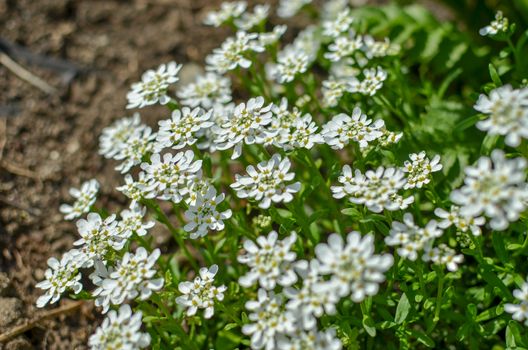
[{"x": 48, "y": 142}]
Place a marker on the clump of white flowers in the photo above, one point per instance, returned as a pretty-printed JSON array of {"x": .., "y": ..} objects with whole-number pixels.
[
  {"x": 228, "y": 11},
  {"x": 495, "y": 187},
  {"x": 420, "y": 168},
  {"x": 377, "y": 190},
  {"x": 153, "y": 86},
  {"x": 182, "y": 129},
  {"x": 85, "y": 197},
  {"x": 443, "y": 255},
  {"x": 201, "y": 293},
  {"x": 207, "y": 91},
  {"x": 120, "y": 330},
  {"x": 507, "y": 111},
  {"x": 234, "y": 53},
  {"x": 270, "y": 261},
  {"x": 269, "y": 182},
  {"x": 203, "y": 214}
]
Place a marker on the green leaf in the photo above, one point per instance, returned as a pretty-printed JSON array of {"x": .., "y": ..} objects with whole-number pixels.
[
  {"x": 423, "y": 338},
  {"x": 369, "y": 325},
  {"x": 490, "y": 313},
  {"x": 402, "y": 310},
  {"x": 498, "y": 244},
  {"x": 494, "y": 76}
]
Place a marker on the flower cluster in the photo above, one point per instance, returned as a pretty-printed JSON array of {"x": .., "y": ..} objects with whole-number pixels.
[
  {"x": 519, "y": 311},
  {"x": 419, "y": 169},
  {"x": 85, "y": 197},
  {"x": 201, "y": 293},
  {"x": 499, "y": 25},
  {"x": 268, "y": 183}
]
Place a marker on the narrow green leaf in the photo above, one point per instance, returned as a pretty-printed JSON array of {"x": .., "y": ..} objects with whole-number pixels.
[{"x": 402, "y": 310}]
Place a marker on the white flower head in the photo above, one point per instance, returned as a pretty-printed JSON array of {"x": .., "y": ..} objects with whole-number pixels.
[
  {"x": 251, "y": 20},
  {"x": 519, "y": 311},
  {"x": 98, "y": 238},
  {"x": 419, "y": 169},
  {"x": 269, "y": 320},
  {"x": 270, "y": 261},
  {"x": 463, "y": 224},
  {"x": 133, "y": 277},
  {"x": 499, "y": 25},
  {"x": 312, "y": 339},
  {"x": 201, "y": 293},
  {"x": 227, "y": 12},
  {"x": 344, "y": 46},
  {"x": 182, "y": 129},
  {"x": 132, "y": 221},
  {"x": 270, "y": 38},
  {"x": 153, "y": 86},
  {"x": 168, "y": 176},
  {"x": 207, "y": 90},
  {"x": 353, "y": 267},
  {"x": 443, "y": 255},
  {"x": 358, "y": 128},
  {"x": 243, "y": 126},
  {"x": 410, "y": 238},
  {"x": 371, "y": 83},
  {"x": 333, "y": 89},
  {"x": 334, "y": 27},
  {"x": 507, "y": 111},
  {"x": 61, "y": 275},
  {"x": 135, "y": 148},
  {"x": 85, "y": 197},
  {"x": 113, "y": 138},
  {"x": 290, "y": 63},
  {"x": 136, "y": 190},
  {"x": 373, "y": 48},
  {"x": 495, "y": 187},
  {"x": 377, "y": 190},
  {"x": 203, "y": 214},
  {"x": 120, "y": 330},
  {"x": 269, "y": 182},
  {"x": 233, "y": 53}
]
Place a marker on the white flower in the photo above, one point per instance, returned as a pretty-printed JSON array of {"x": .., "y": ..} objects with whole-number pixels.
[
  {"x": 136, "y": 190},
  {"x": 499, "y": 25},
  {"x": 98, "y": 238},
  {"x": 302, "y": 133},
  {"x": 334, "y": 27},
  {"x": 315, "y": 297},
  {"x": 113, "y": 138},
  {"x": 132, "y": 278},
  {"x": 495, "y": 187},
  {"x": 333, "y": 89},
  {"x": 268, "y": 183},
  {"x": 168, "y": 176},
  {"x": 354, "y": 269},
  {"x": 132, "y": 221},
  {"x": 220, "y": 115},
  {"x": 182, "y": 129},
  {"x": 203, "y": 215},
  {"x": 310, "y": 340},
  {"x": 270, "y": 261},
  {"x": 412, "y": 238},
  {"x": 228, "y": 11},
  {"x": 343, "y": 128},
  {"x": 453, "y": 217},
  {"x": 443, "y": 255},
  {"x": 308, "y": 42},
  {"x": 389, "y": 137},
  {"x": 519, "y": 311},
  {"x": 290, "y": 63},
  {"x": 233, "y": 52},
  {"x": 201, "y": 293},
  {"x": 507, "y": 109},
  {"x": 373, "y": 48},
  {"x": 419, "y": 170},
  {"x": 120, "y": 330},
  {"x": 207, "y": 90},
  {"x": 289, "y": 8},
  {"x": 377, "y": 190},
  {"x": 59, "y": 277},
  {"x": 372, "y": 82},
  {"x": 270, "y": 38},
  {"x": 153, "y": 86},
  {"x": 84, "y": 199},
  {"x": 136, "y": 147},
  {"x": 251, "y": 20},
  {"x": 343, "y": 46},
  {"x": 269, "y": 320},
  {"x": 243, "y": 126}
]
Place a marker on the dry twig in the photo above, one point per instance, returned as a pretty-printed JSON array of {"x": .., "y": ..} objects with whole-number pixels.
[{"x": 26, "y": 75}]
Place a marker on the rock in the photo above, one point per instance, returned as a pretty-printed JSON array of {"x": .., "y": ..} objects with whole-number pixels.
[{"x": 10, "y": 311}]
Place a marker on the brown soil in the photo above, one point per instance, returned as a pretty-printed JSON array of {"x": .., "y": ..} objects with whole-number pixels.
[{"x": 48, "y": 143}]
